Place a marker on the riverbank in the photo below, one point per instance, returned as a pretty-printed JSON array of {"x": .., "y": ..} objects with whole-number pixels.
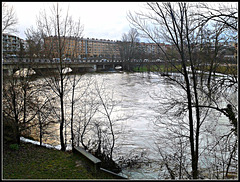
[
  {"x": 228, "y": 69},
  {"x": 29, "y": 161}
]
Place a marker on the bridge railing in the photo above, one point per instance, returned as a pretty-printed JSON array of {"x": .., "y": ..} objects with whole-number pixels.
[
  {"x": 27, "y": 60},
  {"x": 76, "y": 61}
]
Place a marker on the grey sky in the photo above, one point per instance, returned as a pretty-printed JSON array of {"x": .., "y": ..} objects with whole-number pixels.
[
  {"x": 102, "y": 20},
  {"x": 106, "y": 20}
]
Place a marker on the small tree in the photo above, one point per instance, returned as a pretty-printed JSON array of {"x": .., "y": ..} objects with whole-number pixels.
[
  {"x": 46, "y": 112},
  {"x": 128, "y": 47},
  {"x": 94, "y": 121},
  {"x": 108, "y": 106},
  {"x": 34, "y": 43},
  {"x": 18, "y": 101}
]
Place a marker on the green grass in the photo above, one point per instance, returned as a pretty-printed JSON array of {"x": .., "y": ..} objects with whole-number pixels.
[
  {"x": 229, "y": 70},
  {"x": 155, "y": 68},
  {"x": 35, "y": 162}
]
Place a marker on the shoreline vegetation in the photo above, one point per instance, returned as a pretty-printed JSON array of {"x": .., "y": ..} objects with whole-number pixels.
[
  {"x": 222, "y": 69},
  {"x": 29, "y": 161}
]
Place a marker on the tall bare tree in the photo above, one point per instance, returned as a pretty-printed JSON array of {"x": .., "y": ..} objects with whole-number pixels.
[
  {"x": 174, "y": 23},
  {"x": 59, "y": 29},
  {"x": 177, "y": 27}
]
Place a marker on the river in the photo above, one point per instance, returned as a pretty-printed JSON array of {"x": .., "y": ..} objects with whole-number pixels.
[{"x": 136, "y": 133}]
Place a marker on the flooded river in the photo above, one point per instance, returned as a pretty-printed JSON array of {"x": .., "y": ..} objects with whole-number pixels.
[{"x": 134, "y": 115}]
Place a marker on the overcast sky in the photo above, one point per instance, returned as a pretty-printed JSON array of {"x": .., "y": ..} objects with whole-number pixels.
[{"x": 103, "y": 20}]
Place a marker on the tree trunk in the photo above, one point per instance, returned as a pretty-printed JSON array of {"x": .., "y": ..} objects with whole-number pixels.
[
  {"x": 72, "y": 114},
  {"x": 63, "y": 148},
  {"x": 190, "y": 117},
  {"x": 18, "y": 134},
  {"x": 40, "y": 128}
]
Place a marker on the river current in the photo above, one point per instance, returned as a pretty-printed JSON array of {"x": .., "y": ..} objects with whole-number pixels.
[{"x": 135, "y": 134}]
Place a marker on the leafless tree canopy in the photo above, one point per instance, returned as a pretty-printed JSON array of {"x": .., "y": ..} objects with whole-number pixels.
[
  {"x": 128, "y": 46},
  {"x": 9, "y": 19},
  {"x": 223, "y": 14},
  {"x": 178, "y": 24}
]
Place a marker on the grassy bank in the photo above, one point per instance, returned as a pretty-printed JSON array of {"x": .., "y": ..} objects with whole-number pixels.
[
  {"x": 228, "y": 70},
  {"x": 30, "y": 161},
  {"x": 157, "y": 68}
]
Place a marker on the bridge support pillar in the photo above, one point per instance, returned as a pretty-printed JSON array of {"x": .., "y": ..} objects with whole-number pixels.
[{"x": 94, "y": 67}]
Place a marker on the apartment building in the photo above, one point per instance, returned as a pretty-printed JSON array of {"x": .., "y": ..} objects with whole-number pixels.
[
  {"x": 11, "y": 45},
  {"x": 70, "y": 46},
  {"x": 153, "y": 48},
  {"x": 101, "y": 48},
  {"x": 75, "y": 47},
  {"x": 80, "y": 48}
]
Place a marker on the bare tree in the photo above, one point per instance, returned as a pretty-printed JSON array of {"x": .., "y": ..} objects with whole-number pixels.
[
  {"x": 34, "y": 43},
  {"x": 128, "y": 47},
  {"x": 176, "y": 24},
  {"x": 58, "y": 29},
  {"x": 107, "y": 112},
  {"x": 105, "y": 126},
  {"x": 46, "y": 112},
  {"x": 173, "y": 23},
  {"x": 79, "y": 98},
  {"x": 9, "y": 18},
  {"x": 95, "y": 120},
  {"x": 18, "y": 101},
  {"x": 83, "y": 110}
]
